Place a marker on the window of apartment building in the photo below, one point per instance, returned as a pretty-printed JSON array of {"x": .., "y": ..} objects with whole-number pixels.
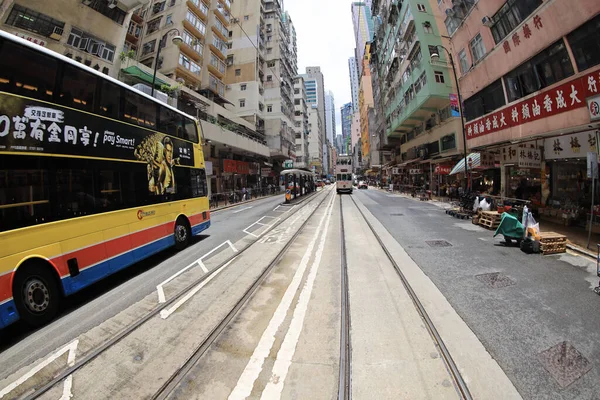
[
  {"x": 243, "y": 86},
  {"x": 169, "y": 20},
  {"x": 421, "y": 81},
  {"x": 269, "y": 38},
  {"x": 269, "y": 78},
  {"x": 229, "y": 46},
  {"x": 158, "y": 7},
  {"x": 261, "y": 106},
  {"x": 485, "y": 101},
  {"x": 448, "y": 142},
  {"x": 512, "y": 13},
  {"x": 297, "y": 102},
  {"x": 546, "y": 68},
  {"x": 196, "y": 21},
  {"x": 451, "y": 24},
  {"x": 477, "y": 48},
  {"x": 147, "y": 62},
  {"x": 296, "y": 91},
  {"x": 90, "y": 44},
  {"x": 585, "y": 44},
  {"x": 33, "y": 21},
  {"x": 193, "y": 42},
  {"x": 230, "y": 34},
  {"x": 242, "y": 103},
  {"x": 421, "y": 7},
  {"x": 463, "y": 62},
  {"x": 427, "y": 27},
  {"x": 269, "y": 50},
  {"x": 238, "y": 72},
  {"x": 269, "y": 108},
  {"x": 148, "y": 47},
  {"x": 153, "y": 25},
  {"x": 187, "y": 63},
  {"x": 172, "y": 3},
  {"x": 115, "y": 13},
  {"x": 439, "y": 76},
  {"x": 270, "y": 64},
  {"x": 246, "y": 17}
]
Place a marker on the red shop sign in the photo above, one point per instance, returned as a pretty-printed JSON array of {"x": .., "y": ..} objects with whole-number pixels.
[
  {"x": 243, "y": 167},
  {"x": 443, "y": 170},
  {"x": 566, "y": 97},
  {"x": 229, "y": 166}
]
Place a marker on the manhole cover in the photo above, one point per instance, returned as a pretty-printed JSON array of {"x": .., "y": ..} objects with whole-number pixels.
[
  {"x": 396, "y": 215},
  {"x": 495, "y": 280},
  {"x": 565, "y": 363},
  {"x": 438, "y": 243}
]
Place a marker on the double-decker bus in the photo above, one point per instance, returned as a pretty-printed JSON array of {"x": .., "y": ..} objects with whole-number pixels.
[
  {"x": 94, "y": 176},
  {"x": 343, "y": 174}
]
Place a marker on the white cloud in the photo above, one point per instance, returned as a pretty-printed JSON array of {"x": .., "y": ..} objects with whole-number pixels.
[{"x": 325, "y": 38}]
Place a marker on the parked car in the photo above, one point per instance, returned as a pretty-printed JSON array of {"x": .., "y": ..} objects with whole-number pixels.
[
  {"x": 328, "y": 182},
  {"x": 363, "y": 185}
]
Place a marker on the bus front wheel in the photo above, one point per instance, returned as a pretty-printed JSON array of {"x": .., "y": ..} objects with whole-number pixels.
[
  {"x": 36, "y": 294},
  {"x": 182, "y": 234}
]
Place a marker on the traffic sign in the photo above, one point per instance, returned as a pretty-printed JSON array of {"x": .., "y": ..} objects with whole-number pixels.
[{"x": 288, "y": 164}]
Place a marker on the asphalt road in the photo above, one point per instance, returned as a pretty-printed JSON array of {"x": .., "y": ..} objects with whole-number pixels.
[
  {"x": 548, "y": 299},
  {"x": 20, "y": 345}
]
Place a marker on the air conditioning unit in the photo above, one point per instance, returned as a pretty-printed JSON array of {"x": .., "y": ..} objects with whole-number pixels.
[
  {"x": 112, "y": 3},
  {"x": 487, "y": 21},
  {"x": 56, "y": 33}
]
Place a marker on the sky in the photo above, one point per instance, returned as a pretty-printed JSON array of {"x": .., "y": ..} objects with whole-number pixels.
[{"x": 325, "y": 38}]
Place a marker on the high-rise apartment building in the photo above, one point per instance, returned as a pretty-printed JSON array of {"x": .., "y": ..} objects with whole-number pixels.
[
  {"x": 347, "y": 112},
  {"x": 330, "y": 116},
  {"x": 414, "y": 92},
  {"x": 315, "y": 139},
  {"x": 301, "y": 127},
  {"x": 91, "y": 32},
  {"x": 199, "y": 62},
  {"x": 315, "y": 74},
  {"x": 262, "y": 63},
  {"x": 365, "y": 101},
  {"x": 530, "y": 78},
  {"x": 362, "y": 21},
  {"x": 353, "y": 75}
]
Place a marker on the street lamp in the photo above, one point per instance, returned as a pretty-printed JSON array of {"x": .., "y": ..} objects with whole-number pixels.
[
  {"x": 177, "y": 40},
  {"x": 436, "y": 57}
]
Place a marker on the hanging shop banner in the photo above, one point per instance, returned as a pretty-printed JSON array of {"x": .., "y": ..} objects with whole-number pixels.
[
  {"x": 254, "y": 169},
  {"x": 454, "y": 105},
  {"x": 487, "y": 160},
  {"x": 229, "y": 166},
  {"x": 208, "y": 166},
  {"x": 443, "y": 169},
  {"x": 594, "y": 108},
  {"x": 415, "y": 171},
  {"x": 395, "y": 171},
  {"x": 576, "y": 145},
  {"x": 265, "y": 172},
  {"x": 566, "y": 97},
  {"x": 529, "y": 158}
]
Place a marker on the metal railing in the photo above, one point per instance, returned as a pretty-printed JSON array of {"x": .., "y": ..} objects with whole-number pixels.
[{"x": 237, "y": 196}]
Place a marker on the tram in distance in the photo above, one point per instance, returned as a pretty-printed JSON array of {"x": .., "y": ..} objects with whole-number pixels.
[
  {"x": 94, "y": 176},
  {"x": 343, "y": 174}
]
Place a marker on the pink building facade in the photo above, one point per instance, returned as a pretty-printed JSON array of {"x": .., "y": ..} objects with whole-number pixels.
[{"x": 529, "y": 71}]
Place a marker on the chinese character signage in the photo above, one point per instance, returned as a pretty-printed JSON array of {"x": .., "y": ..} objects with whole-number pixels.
[
  {"x": 566, "y": 97},
  {"x": 576, "y": 145},
  {"x": 443, "y": 170},
  {"x": 29, "y": 126},
  {"x": 31, "y": 39},
  {"x": 529, "y": 158},
  {"x": 594, "y": 108},
  {"x": 265, "y": 171},
  {"x": 229, "y": 166},
  {"x": 395, "y": 171}
]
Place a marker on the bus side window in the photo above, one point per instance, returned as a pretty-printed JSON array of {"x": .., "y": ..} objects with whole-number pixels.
[
  {"x": 110, "y": 97},
  {"x": 78, "y": 88},
  {"x": 190, "y": 130},
  {"x": 169, "y": 122},
  {"x": 139, "y": 110},
  {"x": 26, "y": 72}
]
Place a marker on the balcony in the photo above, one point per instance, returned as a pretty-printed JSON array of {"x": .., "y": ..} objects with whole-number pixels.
[
  {"x": 191, "y": 52},
  {"x": 220, "y": 29},
  {"x": 216, "y": 66},
  {"x": 219, "y": 47},
  {"x": 199, "y": 8},
  {"x": 222, "y": 14},
  {"x": 133, "y": 33},
  {"x": 137, "y": 16},
  {"x": 215, "y": 85},
  {"x": 193, "y": 29},
  {"x": 227, "y": 4}
]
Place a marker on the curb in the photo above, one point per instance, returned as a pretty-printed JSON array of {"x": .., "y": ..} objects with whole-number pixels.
[
  {"x": 581, "y": 251},
  {"x": 241, "y": 203}
]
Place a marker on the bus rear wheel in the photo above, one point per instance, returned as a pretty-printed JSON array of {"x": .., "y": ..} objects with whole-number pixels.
[
  {"x": 36, "y": 294},
  {"x": 182, "y": 234}
]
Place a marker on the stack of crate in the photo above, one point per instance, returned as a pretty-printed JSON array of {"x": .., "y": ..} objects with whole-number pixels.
[
  {"x": 490, "y": 219},
  {"x": 553, "y": 243}
]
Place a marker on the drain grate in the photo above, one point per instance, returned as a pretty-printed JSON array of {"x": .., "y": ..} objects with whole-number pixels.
[
  {"x": 565, "y": 363},
  {"x": 495, "y": 280},
  {"x": 397, "y": 215},
  {"x": 438, "y": 243}
]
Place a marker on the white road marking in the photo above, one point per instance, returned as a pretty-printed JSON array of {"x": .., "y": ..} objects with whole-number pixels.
[
  {"x": 243, "y": 209},
  {"x": 68, "y": 385},
  {"x": 71, "y": 348},
  {"x": 289, "y": 208},
  {"x": 198, "y": 262},
  {"x": 164, "y": 314},
  {"x": 254, "y": 367},
  {"x": 276, "y": 235},
  {"x": 268, "y": 225},
  {"x": 288, "y": 347}
]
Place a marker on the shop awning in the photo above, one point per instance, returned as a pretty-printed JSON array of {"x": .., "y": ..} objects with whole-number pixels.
[
  {"x": 460, "y": 167},
  {"x": 141, "y": 74}
]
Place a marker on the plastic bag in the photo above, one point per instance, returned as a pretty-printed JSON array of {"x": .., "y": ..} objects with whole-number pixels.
[
  {"x": 533, "y": 231},
  {"x": 476, "y": 204},
  {"x": 485, "y": 206}
]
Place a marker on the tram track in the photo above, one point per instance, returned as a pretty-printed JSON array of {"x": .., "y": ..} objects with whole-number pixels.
[
  {"x": 345, "y": 377},
  {"x": 35, "y": 393}
]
